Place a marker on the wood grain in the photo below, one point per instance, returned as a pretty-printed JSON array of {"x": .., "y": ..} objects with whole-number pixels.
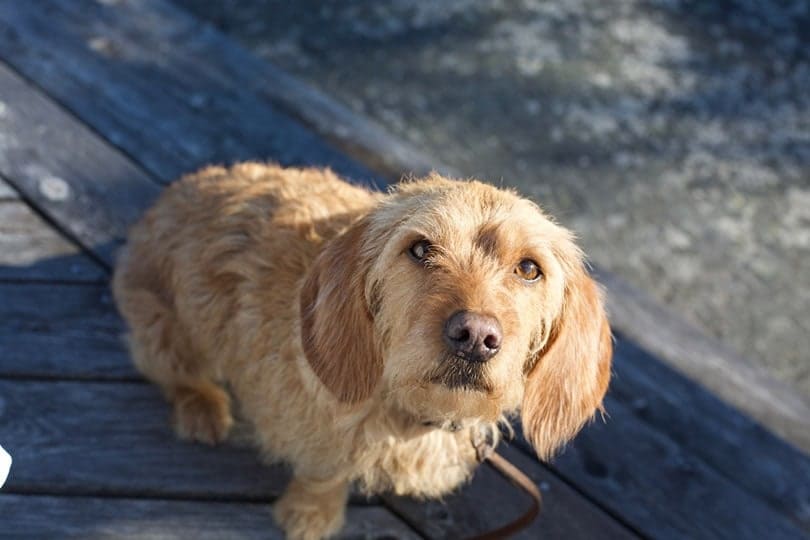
[
  {"x": 85, "y": 438},
  {"x": 102, "y": 439},
  {"x": 97, "y": 518},
  {"x": 662, "y": 489},
  {"x": 733, "y": 378},
  {"x": 753, "y": 457},
  {"x": 490, "y": 501},
  {"x": 6, "y": 192},
  {"x": 30, "y": 249},
  {"x": 738, "y": 448},
  {"x": 157, "y": 84},
  {"x": 93, "y": 191},
  {"x": 61, "y": 331}
]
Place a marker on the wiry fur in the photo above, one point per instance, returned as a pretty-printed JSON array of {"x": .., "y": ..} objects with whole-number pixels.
[{"x": 294, "y": 290}]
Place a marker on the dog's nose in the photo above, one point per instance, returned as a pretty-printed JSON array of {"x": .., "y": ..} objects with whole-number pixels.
[{"x": 473, "y": 336}]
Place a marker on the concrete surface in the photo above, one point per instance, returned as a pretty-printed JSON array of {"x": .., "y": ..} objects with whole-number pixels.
[{"x": 672, "y": 135}]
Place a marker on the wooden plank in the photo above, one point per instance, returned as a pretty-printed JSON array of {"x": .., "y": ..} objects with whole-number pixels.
[
  {"x": 57, "y": 446},
  {"x": 90, "y": 518},
  {"x": 734, "y": 378},
  {"x": 637, "y": 462},
  {"x": 662, "y": 489},
  {"x": 6, "y": 192},
  {"x": 155, "y": 83},
  {"x": 91, "y": 190},
  {"x": 30, "y": 249},
  {"x": 63, "y": 331},
  {"x": 103, "y": 439},
  {"x": 490, "y": 501},
  {"x": 690, "y": 464},
  {"x": 738, "y": 448},
  {"x": 99, "y": 439},
  {"x": 84, "y": 438},
  {"x": 31, "y": 338},
  {"x": 356, "y": 135}
]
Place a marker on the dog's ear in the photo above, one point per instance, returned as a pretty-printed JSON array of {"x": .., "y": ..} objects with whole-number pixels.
[
  {"x": 570, "y": 375},
  {"x": 336, "y": 325}
]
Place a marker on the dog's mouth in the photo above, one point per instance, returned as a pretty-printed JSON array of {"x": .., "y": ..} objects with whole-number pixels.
[{"x": 458, "y": 374}]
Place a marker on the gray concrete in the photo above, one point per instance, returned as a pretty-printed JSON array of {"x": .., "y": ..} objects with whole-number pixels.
[{"x": 673, "y": 136}]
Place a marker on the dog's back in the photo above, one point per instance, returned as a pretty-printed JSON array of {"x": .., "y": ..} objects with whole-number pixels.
[{"x": 216, "y": 255}]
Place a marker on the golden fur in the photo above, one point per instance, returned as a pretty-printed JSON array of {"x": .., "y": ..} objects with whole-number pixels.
[{"x": 294, "y": 290}]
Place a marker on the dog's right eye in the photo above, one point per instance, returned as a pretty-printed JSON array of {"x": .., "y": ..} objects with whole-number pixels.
[
  {"x": 419, "y": 250},
  {"x": 528, "y": 270}
]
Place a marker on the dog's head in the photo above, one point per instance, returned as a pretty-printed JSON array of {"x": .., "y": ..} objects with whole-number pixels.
[{"x": 457, "y": 301}]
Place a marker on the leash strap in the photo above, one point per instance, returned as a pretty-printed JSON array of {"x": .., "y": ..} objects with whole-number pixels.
[{"x": 486, "y": 453}]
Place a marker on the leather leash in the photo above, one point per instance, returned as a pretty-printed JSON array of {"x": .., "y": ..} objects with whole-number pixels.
[{"x": 485, "y": 451}]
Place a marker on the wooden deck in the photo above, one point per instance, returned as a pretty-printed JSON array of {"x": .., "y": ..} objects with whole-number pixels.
[{"x": 104, "y": 102}]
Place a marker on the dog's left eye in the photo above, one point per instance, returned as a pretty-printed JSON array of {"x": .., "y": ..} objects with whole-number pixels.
[
  {"x": 419, "y": 250},
  {"x": 528, "y": 270}
]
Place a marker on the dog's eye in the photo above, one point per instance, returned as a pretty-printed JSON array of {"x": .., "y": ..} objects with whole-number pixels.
[
  {"x": 528, "y": 270},
  {"x": 419, "y": 250}
]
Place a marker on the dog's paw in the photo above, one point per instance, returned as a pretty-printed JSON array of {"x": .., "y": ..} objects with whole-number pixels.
[
  {"x": 202, "y": 416},
  {"x": 309, "y": 520}
]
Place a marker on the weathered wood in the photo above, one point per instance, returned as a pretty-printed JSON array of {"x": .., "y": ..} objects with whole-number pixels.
[
  {"x": 358, "y": 136},
  {"x": 490, "y": 501},
  {"x": 61, "y": 331},
  {"x": 773, "y": 471},
  {"x": 735, "y": 379},
  {"x": 91, "y": 518},
  {"x": 730, "y": 442},
  {"x": 123, "y": 66},
  {"x": 673, "y": 460},
  {"x": 660, "y": 488},
  {"x": 30, "y": 249},
  {"x": 84, "y": 438},
  {"x": 6, "y": 192},
  {"x": 98, "y": 439},
  {"x": 78, "y": 337},
  {"x": 82, "y": 183},
  {"x": 101, "y": 438}
]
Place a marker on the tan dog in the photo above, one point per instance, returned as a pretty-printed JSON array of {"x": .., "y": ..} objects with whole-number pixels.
[{"x": 364, "y": 335}]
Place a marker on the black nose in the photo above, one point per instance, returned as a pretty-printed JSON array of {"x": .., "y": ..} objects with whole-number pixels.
[{"x": 473, "y": 336}]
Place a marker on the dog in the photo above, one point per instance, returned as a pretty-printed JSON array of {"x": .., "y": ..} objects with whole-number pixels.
[{"x": 363, "y": 335}]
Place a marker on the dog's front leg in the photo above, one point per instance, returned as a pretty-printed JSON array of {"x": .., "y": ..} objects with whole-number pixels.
[{"x": 312, "y": 509}]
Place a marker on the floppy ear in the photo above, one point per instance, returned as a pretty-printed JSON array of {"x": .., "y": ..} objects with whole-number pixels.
[
  {"x": 570, "y": 376},
  {"x": 336, "y": 325}
]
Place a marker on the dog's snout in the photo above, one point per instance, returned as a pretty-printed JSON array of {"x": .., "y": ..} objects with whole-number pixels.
[{"x": 473, "y": 336}]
